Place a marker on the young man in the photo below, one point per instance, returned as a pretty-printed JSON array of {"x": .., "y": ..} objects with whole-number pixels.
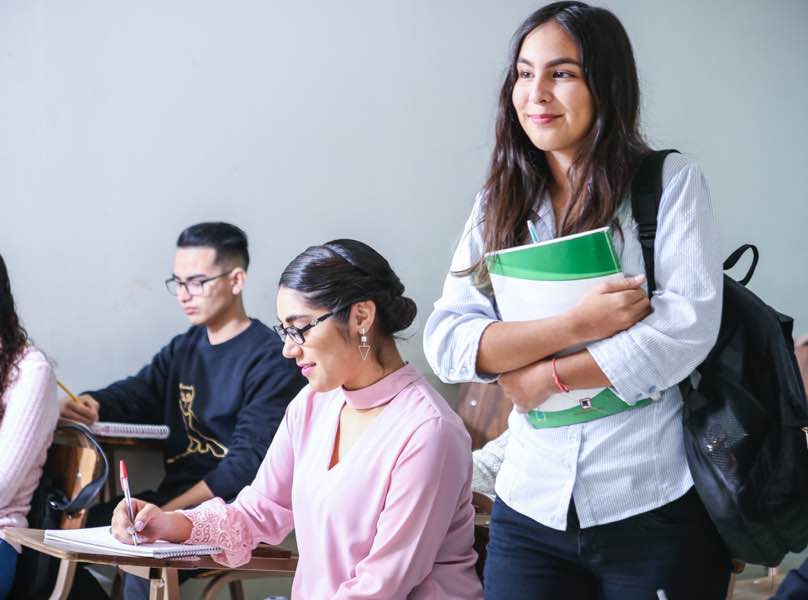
[{"x": 222, "y": 386}]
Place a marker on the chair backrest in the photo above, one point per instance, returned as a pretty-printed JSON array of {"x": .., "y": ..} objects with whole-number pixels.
[
  {"x": 72, "y": 464},
  {"x": 484, "y": 410}
]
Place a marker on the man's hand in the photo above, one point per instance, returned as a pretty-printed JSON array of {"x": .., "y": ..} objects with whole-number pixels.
[
  {"x": 529, "y": 386},
  {"x": 196, "y": 495},
  {"x": 84, "y": 411}
]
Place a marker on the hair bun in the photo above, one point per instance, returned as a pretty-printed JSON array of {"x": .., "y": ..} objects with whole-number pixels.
[{"x": 400, "y": 313}]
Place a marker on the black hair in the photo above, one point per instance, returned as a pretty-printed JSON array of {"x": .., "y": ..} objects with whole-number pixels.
[
  {"x": 229, "y": 241},
  {"x": 612, "y": 150},
  {"x": 13, "y": 338},
  {"x": 342, "y": 272}
]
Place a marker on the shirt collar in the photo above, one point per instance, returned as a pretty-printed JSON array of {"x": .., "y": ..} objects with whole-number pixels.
[
  {"x": 543, "y": 212},
  {"x": 382, "y": 391}
]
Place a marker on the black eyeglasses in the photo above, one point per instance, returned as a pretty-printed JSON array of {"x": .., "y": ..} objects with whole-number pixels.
[
  {"x": 195, "y": 287},
  {"x": 296, "y": 333}
]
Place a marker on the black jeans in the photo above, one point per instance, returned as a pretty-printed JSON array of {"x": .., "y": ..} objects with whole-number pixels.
[{"x": 674, "y": 548}]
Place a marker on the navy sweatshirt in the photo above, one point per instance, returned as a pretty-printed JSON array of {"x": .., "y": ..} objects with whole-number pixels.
[{"x": 222, "y": 403}]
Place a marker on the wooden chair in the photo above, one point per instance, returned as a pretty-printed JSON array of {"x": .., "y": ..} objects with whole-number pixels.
[
  {"x": 232, "y": 578},
  {"x": 484, "y": 411},
  {"x": 72, "y": 464}
]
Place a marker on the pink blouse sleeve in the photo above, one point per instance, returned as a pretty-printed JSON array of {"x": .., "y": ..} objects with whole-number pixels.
[
  {"x": 428, "y": 483},
  {"x": 262, "y": 512},
  {"x": 218, "y": 524}
]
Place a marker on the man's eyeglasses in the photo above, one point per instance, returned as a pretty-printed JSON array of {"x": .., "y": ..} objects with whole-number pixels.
[
  {"x": 296, "y": 333},
  {"x": 194, "y": 287}
]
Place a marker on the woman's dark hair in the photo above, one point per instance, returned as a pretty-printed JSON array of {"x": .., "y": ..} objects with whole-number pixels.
[
  {"x": 600, "y": 176},
  {"x": 13, "y": 338},
  {"x": 341, "y": 272},
  {"x": 229, "y": 241}
]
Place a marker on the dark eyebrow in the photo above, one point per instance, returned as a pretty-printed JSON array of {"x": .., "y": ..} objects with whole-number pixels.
[
  {"x": 291, "y": 318},
  {"x": 565, "y": 60},
  {"x": 195, "y": 276}
]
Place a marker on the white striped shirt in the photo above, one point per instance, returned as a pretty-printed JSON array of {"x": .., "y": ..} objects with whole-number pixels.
[{"x": 634, "y": 461}]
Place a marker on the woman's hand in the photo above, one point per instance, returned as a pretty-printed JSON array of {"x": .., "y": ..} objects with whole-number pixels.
[
  {"x": 610, "y": 308},
  {"x": 529, "y": 386},
  {"x": 151, "y": 523}
]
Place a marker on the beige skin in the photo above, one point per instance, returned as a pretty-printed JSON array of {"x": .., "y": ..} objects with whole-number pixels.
[
  {"x": 550, "y": 81},
  {"x": 334, "y": 359},
  {"x": 331, "y": 350},
  {"x": 220, "y": 309}
]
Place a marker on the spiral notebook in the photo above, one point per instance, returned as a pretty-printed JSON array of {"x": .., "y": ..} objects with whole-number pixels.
[
  {"x": 99, "y": 540},
  {"x": 130, "y": 430}
]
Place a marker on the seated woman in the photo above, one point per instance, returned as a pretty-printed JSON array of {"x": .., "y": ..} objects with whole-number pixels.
[
  {"x": 28, "y": 414},
  {"x": 370, "y": 466}
]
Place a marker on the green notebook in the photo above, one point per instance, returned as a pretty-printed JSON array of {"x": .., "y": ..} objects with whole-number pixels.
[{"x": 542, "y": 280}]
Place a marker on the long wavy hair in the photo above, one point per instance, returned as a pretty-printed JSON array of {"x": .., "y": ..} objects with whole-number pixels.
[
  {"x": 13, "y": 337},
  {"x": 601, "y": 173}
]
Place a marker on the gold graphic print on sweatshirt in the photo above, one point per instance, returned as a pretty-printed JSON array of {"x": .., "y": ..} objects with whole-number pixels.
[{"x": 198, "y": 442}]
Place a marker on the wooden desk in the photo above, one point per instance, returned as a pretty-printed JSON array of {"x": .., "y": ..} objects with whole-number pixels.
[{"x": 161, "y": 573}]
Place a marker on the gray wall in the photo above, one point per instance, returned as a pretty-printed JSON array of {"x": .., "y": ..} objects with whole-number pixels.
[{"x": 121, "y": 123}]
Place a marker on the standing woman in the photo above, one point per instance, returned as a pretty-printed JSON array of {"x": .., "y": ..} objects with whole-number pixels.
[
  {"x": 369, "y": 466},
  {"x": 28, "y": 414},
  {"x": 606, "y": 508}
]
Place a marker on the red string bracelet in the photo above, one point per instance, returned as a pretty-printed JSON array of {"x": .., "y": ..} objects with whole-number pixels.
[{"x": 562, "y": 387}]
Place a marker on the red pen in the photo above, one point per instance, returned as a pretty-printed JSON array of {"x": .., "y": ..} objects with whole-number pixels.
[{"x": 128, "y": 497}]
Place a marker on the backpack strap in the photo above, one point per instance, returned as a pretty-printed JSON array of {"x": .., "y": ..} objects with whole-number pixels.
[
  {"x": 90, "y": 491},
  {"x": 646, "y": 194},
  {"x": 733, "y": 258}
]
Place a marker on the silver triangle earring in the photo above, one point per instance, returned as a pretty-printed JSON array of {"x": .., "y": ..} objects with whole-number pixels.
[{"x": 364, "y": 347}]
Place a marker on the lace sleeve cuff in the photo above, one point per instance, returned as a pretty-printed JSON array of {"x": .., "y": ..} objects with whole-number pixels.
[{"x": 218, "y": 524}]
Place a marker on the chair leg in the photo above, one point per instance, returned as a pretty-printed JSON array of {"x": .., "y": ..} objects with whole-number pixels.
[
  {"x": 215, "y": 585},
  {"x": 64, "y": 580},
  {"x": 731, "y": 586},
  {"x": 117, "y": 586},
  {"x": 171, "y": 584},
  {"x": 236, "y": 590}
]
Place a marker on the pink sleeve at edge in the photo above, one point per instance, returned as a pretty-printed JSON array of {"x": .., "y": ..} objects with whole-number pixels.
[{"x": 216, "y": 523}]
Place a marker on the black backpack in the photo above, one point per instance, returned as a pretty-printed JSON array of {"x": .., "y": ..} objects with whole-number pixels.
[
  {"x": 744, "y": 409},
  {"x": 36, "y": 572}
]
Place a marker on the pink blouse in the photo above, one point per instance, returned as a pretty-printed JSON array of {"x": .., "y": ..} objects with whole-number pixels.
[{"x": 392, "y": 519}]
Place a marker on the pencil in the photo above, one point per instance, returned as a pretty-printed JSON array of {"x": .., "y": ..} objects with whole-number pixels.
[{"x": 73, "y": 397}]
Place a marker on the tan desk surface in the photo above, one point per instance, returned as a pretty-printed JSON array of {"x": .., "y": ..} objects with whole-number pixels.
[
  {"x": 265, "y": 558},
  {"x": 161, "y": 572}
]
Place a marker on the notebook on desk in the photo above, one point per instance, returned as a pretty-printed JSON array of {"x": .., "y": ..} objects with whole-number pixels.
[
  {"x": 99, "y": 540},
  {"x": 130, "y": 430}
]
